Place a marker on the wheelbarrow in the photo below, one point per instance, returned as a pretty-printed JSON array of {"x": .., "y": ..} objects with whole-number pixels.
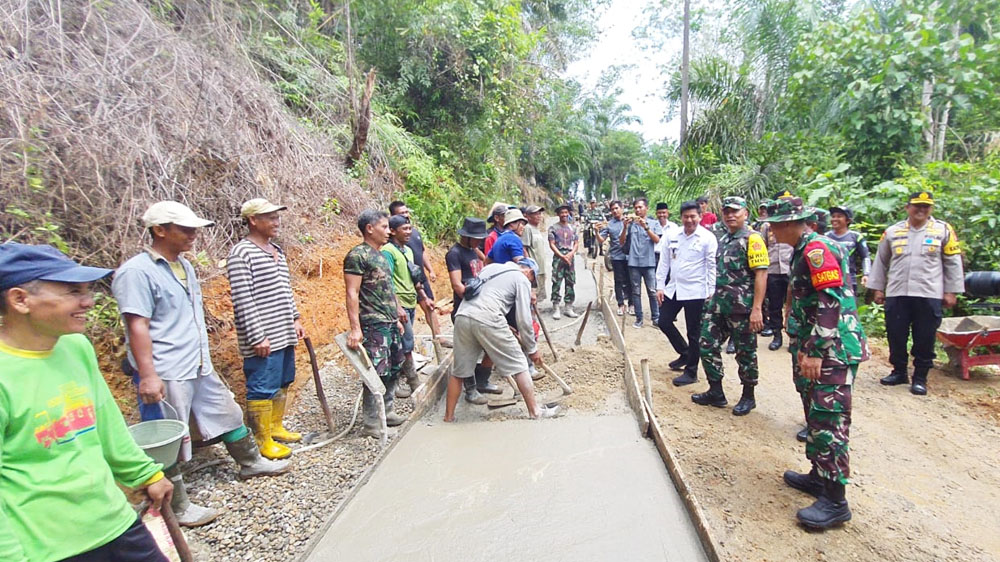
[{"x": 961, "y": 335}]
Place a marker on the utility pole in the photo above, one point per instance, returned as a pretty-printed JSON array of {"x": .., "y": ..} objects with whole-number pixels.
[{"x": 685, "y": 68}]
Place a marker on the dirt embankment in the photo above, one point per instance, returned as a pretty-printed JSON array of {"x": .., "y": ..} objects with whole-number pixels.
[{"x": 925, "y": 470}]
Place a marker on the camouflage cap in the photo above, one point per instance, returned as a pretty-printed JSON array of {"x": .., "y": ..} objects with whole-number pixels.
[
  {"x": 787, "y": 209},
  {"x": 821, "y": 216},
  {"x": 734, "y": 203}
]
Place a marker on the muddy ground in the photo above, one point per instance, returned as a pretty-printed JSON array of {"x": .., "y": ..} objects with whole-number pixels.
[{"x": 925, "y": 470}]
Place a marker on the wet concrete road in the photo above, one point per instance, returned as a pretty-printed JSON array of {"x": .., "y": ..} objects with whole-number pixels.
[{"x": 576, "y": 488}]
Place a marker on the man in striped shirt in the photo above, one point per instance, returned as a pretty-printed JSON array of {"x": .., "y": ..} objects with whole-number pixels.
[{"x": 267, "y": 324}]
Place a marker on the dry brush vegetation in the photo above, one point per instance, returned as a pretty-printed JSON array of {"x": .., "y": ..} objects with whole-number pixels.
[{"x": 105, "y": 108}]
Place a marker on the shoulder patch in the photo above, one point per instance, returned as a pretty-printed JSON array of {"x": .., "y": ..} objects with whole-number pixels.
[
  {"x": 953, "y": 246},
  {"x": 815, "y": 257},
  {"x": 757, "y": 252},
  {"x": 825, "y": 272}
]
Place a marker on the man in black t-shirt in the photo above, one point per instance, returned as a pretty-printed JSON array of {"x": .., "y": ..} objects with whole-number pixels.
[{"x": 465, "y": 261}]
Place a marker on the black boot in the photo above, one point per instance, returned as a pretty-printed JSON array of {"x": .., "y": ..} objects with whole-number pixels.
[
  {"x": 483, "y": 380},
  {"x": 803, "y": 434},
  {"x": 690, "y": 376},
  {"x": 746, "y": 402},
  {"x": 731, "y": 347},
  {"x": 829, "y": 509},
  {"x": 767, "y": 332},
  {"x": 919, "y": 386},
  {"x": 809, "y": 482},
  {"x": 472, "y": 395},
  {"x": 714, "y": 396},
  {"x": 776, "y": 342},
  {"x": 895, "y": 377},
  {"x": 678, "y": 364}
]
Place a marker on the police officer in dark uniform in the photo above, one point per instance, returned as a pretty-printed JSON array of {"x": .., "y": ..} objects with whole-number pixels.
[{"x": 917, "y": 271}]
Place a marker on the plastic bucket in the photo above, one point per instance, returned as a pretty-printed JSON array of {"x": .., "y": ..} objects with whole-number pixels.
[{"x": 160, "y": 439}]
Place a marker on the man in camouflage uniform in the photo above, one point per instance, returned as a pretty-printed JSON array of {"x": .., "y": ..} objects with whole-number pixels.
[
  {"x": 917, "y": 271},
  {"x": 593, "y": 216},
  {"x": 564, "y": 243},
  {"x": 375, "y": 315},
  {"x": 818, "y": 220},
  {"x": 827, "y": 342},
  {"x": 595, "y": 213},
  {"x": 735, "y": 308}
]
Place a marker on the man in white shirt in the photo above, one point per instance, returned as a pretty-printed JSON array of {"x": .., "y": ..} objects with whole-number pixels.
[
  {"x": 668, "y": 226},
  {"x": 685, "y": 277}
]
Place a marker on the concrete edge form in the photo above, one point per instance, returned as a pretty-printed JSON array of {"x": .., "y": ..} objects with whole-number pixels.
[
  {"x": 650, "y": 427},
  {"x": 635, "y": 399},
  {"x": 434, "y": 388}
]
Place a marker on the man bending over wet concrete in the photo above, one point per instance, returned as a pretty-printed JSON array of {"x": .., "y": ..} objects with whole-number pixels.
[{"x": 481, "y": 326}]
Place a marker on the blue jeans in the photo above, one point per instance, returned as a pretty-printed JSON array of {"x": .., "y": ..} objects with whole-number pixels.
[
  {"x": 636, "y": 276},
  {"x": 267, "y": 375},
  {"x": 408, "y": 343}
]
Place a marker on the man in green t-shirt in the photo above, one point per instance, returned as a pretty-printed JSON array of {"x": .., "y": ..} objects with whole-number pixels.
[
  {"x": 63, "y": 442},
  {"x": 408, "y": 292},
  {"x": 375, "y": 315}
]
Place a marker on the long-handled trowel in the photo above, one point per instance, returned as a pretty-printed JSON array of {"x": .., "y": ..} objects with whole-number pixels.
[{"x": 358, "y": 358}]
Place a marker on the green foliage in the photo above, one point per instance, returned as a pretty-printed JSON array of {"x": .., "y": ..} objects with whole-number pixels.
[
  {"x": 436, "y": 199},
  {"x": 873, "y": 319},
  {"x": 104, "y": 318},
  {"x": 879, "y": 78}
]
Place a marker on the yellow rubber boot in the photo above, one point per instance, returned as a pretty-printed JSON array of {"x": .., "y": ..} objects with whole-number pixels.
[
  {"x": 259, "y": 415},
  {"x": 278, "y": 431}
]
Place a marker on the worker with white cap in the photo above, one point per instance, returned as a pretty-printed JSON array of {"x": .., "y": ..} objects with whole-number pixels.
[
  {"x": 160, "y": 301},
  {"x": 267, "y": 324}
]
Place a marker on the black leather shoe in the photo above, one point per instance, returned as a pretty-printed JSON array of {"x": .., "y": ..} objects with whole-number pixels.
[
  {"x": 767, "y": 332},
  {"x": 776, "y": 342},
  {"x": 918, "y": 388},
  {"x": 731, "y": 348},
  {"x": 678, "y": 364},
  {"x": 895, "y": 378},
  {"x": 687, "y": 378},
  {"x": 802, "y": 435},
  {"x": 744, "y": 406},
  {"x": 824, "y": 513},
  {"x": 804, "y": 483},
  {"x": 489, "y": 388},
  {"x": 714, "y": 396}
]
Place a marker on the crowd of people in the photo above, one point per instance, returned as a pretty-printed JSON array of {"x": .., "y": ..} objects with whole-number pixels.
[
  {"x": 789, "y": 274},
  {"x": 65, "y": 445}
]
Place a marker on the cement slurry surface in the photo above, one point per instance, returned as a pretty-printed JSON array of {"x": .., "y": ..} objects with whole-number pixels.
[{"x": 577, "y": 488}]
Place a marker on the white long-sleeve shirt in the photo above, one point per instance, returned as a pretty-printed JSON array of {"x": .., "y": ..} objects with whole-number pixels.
[{"x": 690, "y": 262}]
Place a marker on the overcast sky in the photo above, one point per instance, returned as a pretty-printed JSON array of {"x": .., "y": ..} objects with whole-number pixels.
[{"x": 641, "y": 86}]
